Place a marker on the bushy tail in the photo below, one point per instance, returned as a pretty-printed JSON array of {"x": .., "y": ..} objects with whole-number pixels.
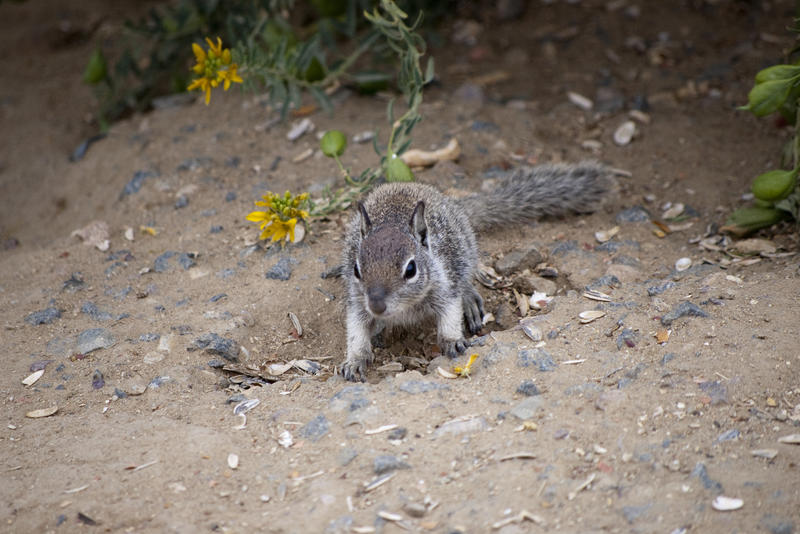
[{"x": 530, "y": 193}]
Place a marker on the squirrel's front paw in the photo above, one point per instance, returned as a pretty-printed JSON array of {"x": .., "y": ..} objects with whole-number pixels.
[
  {"x": 355, "y": 368},
  {"x": 454, "y": 347},
  {"x": 473, "y": 312}
]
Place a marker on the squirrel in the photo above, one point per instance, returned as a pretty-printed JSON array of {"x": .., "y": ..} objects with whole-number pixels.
[{"x": 410, "y": 252}]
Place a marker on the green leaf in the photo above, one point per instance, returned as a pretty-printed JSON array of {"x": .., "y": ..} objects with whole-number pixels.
[
  {"x": 767, "y": 97},
  {"x": 777, "y": 72},
  {"x": 774, "y": 185}
]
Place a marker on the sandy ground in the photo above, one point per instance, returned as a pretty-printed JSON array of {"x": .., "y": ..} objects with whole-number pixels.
[{"x": 598, "y": 427}]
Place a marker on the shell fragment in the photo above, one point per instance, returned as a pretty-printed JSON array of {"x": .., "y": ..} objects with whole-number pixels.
[
  {"x": 32, "y": 378},
  {"x": 590, "y": 315},
  {"x": 726, "y": 504}
]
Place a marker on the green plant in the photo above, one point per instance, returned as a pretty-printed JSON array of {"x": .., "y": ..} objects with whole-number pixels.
[{"x": 776, "y": 192}]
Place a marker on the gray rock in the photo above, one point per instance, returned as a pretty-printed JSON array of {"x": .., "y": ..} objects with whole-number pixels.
[
  {"x": 668, "y": 357},
  {"x": 701, "y": 472},
  {"x": 397, "y": 434},
  {"x": 60, "y": 346},
  {"x": 728, "y": 435},
  {"x": 627, "y": 338},
  {"x": 715, "y": 389},
  {"x": 660, "y": 288},
  {"x": 387, "y": 463},
  {"x": 685, "y": 308},
  {"x": 633, "y": 215},
  {"x": 161, "y": 263},
  {"x": 74, "y": 283},
  {"x": 136, "y": 182},
  {"x": 216, "y": 364},
  {"x": 777, "y": 525},
  {"x": 230, "y": 196},
  {"x": 217, "y": 228},
  {"x": 346, "y": 455},
  {"x": 91, "y": 309},
  {"x": 529, "y": 284},
  {"x": 182, "y": 202},
  {"x": 608, "y": 280},
  {"x": 561, "y": 248},
  {"x": 282, "y": 270},
  {"x": 497, "y": 353},
  {"x": 218, "y": 346},
  {"x": 632, "y": 513},
  {"x": 341, "y": 525},
  {"x": 459, "y": 426},
  {"x": 608, "y": 100},
  {"x": 150, "y": 336},
  {"x": 45, "y": 316},
  {"x": 192, "y": 164},
  {"x": 186, "y": 261},
  {"x": 93, "y": 339},
  {"x": 315, "y": 429},
  {"x": 527, "y": 408},
  {"x": 226, "y": 273},
  {"x": 538, "y": 358},
  {"x": 415, "y": 387},
  {"x": 519, "y": 260},
  {"x": 528, "y": 388},
  {"x": 348, "y": 398},
  {"x": 218, "y": 297}
]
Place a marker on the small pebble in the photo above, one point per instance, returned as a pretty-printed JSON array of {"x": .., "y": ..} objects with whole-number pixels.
[{"x": 624, "y": 133}]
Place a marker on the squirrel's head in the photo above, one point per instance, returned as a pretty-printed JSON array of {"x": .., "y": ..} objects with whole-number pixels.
[{"x": 392, "y": 265}]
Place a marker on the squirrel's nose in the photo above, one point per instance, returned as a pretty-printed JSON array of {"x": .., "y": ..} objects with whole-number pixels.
[{"x": 376, "y": 296}]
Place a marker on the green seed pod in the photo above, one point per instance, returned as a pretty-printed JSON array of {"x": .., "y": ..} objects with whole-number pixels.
[
  {"x": 768, "y": 97},
  {"x": 333, "y": 143},
  {"x": 397, "y": 170},
  {"x": 774, "y": 185},
  {"x": 96, "y": 68},
  {"x": 777, "y": 72},
  {"x": 746, "y": 220}
]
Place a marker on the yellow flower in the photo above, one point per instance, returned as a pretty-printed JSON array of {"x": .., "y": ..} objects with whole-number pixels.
[
  {"x": 281, "y": 216},
  {"x": 214, "y": 67}
]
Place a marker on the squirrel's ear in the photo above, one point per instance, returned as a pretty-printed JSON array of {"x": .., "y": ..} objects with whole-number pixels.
[
  {"x": 366, "y": 224},
  {"x": 417, "y": 223}
]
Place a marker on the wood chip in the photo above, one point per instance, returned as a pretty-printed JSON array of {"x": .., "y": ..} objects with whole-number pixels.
[
  {"x": 519, "y": 518},
  {"x": 378, "y": 482},
  {"x": 384, "y": 428},
  {"x": 425, "y": 158},
  {"x": 524, "y": 455},
  {"x": 583, "y": 485},
  {"x": 769, "y": 454}
]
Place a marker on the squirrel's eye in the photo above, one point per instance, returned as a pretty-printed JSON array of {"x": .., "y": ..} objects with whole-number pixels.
[
  {"x": 356, "y": 272},
  {"x": 411, "y": 270}
]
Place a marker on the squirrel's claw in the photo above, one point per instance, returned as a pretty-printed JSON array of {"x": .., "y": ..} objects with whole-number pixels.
[
  {"x": 354, "y": 371},
  {"x": 453, "y": 348}
]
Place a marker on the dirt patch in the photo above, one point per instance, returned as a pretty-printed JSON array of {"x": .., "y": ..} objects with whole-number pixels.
[{"x": 598, "y": 427}]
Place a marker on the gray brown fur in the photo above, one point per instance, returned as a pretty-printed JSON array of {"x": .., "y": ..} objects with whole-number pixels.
[{"x": 401, "y": 222}]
